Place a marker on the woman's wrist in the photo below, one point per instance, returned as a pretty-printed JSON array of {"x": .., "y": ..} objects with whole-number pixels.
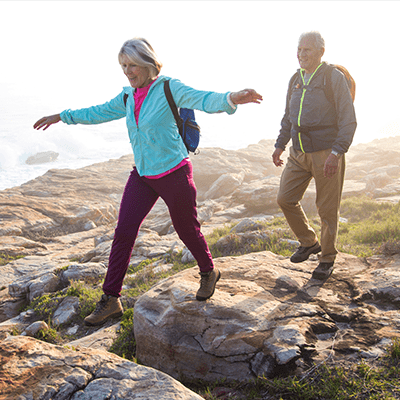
[{"x": 230, "y": 100}]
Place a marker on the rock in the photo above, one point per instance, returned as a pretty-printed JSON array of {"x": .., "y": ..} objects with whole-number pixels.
[
  {"x": 16, "y": 324},
  {"x": 34, "y": 287},
  {"x": 10, "y": 307},
  {"x": 266, "y": 313},
  {"x": 101, "y": 339},
  {"x": 258, "y": 195},
  {"x": 38, "y": 370},
  {"x": 378, "y": 181},
  {"x": 73, "y": 330},
  {"x": 34, "y": 328},
  {"x": 42, "y": 157},
  {"x": 65, "y": 311},
  {"x": 245, "y": 225},
  {"x": 187, "y": 256},
  {"x": 224, "y": 185},
  {"x": 90, "y": 271},
  {"x": 240, "y": 243}
]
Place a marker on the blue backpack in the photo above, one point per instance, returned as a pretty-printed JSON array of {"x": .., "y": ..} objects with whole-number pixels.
[{"x": 185, "y": 121}]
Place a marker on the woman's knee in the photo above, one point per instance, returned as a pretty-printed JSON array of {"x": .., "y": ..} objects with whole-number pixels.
[{"x": 126, "y": 234}]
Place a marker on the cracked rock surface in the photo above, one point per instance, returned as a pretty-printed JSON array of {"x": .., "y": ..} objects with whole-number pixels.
[
  {"x": 267, "y": 315},
  {"x": 31, "y": 369}
]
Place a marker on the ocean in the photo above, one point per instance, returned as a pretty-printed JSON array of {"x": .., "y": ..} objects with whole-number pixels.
[{"x": 77, "y": 145}]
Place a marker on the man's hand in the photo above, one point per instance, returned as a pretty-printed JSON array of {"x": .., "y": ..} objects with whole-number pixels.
[
  {"x": 246, "y": 96},
  {"x": 45, "y": 122},
  {"x": 276, "y": 157},
  {"x": 331, "y": 166}
]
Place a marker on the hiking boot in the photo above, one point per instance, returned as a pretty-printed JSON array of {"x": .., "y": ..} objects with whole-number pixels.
[
  {"x": 323, "y": 271},
  {"x": 108, "y": 307},
  {"x": 208, "y": 281},
  {"x": 303, "y": 253}
]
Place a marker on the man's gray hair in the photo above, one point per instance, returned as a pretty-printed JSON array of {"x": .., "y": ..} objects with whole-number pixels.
[
  {"x": 316, "y": 37},
  {"x": 139, "y": 51}
]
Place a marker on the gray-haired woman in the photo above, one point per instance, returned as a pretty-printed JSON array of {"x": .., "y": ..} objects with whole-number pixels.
[{"x": 162, "y": 165}]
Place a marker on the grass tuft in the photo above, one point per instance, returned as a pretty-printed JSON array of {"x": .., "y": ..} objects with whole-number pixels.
[{"x": 125, "y": 345}]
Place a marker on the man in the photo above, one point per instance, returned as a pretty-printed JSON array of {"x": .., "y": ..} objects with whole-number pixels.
[{"x": 321, "y": 129}]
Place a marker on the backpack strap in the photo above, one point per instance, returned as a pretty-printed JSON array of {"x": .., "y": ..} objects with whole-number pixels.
[
  {"x": 328, "y": 83},
  {"x": 125, "y": 98},
  {"x": 291, "y": 84},
  {"x": 172, "y": 105},
  {"x": 292, "y": 79}
]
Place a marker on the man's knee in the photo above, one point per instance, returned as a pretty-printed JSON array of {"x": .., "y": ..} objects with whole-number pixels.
[{"x": 284, "y": 200}]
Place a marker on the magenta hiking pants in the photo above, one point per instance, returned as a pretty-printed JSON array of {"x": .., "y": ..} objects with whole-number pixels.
[{"x": 179, "y": 193}]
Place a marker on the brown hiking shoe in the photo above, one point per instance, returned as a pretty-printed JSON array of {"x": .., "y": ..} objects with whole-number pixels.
[
  {"x": 303, "y": 253},
  {"x": 208, "y": 281},
  {"x": 323, "y": 271},
  {"x": 108, "y": 307}
]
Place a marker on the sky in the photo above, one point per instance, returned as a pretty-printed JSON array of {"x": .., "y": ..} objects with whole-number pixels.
[{"x": 58, "y": 55}]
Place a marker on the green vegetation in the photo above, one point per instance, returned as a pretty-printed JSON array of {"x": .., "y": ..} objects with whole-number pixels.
[
  {"x": 125, "y": 345},
  {"x": 88, "y": 297},
  {"x": 377, "y": 379},
  {"x": 140, "y": 266},
  {"x": 144, "y": 276},
  {"x": 371, "y": 228},
  {"x": 48, "y": 335},
  {"x": 270, "y": 238},
  {"x": 370, "y": 225},
  {"x": 44, "y": 306},
  {"x": 5, "y": 258}
]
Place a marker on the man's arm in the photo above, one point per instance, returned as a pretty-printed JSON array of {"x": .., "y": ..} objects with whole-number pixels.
[{"x": 284, "y": 133}]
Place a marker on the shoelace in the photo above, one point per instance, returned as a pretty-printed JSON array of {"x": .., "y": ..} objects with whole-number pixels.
[
  {"x": 204, "y": 278},
  {"x": 100, "y": 305}
]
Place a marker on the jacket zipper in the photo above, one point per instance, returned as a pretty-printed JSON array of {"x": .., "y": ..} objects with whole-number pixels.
[
  {"x": 301, "y": 102},
  {"x": 144, "y": 101}
]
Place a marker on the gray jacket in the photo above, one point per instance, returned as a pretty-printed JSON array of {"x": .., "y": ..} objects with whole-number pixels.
[{"x": 311, "y": 120}]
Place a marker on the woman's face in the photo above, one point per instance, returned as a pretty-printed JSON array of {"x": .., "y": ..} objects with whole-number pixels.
[{"x": 138, "y": 76}]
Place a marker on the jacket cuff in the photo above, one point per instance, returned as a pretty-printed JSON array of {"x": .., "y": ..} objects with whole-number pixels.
[
  {"x": 230, "y": 102},
  {"x": 66, "y": 117}
]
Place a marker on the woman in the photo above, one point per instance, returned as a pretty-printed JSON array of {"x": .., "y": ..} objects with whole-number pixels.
[{"x": 162, "y": 165}]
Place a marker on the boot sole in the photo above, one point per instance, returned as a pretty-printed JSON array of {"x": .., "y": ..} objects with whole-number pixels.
[
  {"x": 322, "y": 276},
  {"x": 198, "y": 298},
  {"x": 115, "y": 315}
]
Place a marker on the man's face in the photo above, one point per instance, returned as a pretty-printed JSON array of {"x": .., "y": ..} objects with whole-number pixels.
[{"x": 308, "y": 55}]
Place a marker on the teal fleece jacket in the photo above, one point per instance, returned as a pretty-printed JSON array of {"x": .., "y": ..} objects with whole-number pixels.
[{"x": 155, "y": 140}]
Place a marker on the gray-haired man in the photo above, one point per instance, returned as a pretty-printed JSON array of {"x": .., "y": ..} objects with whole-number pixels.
[{"x": 321, "y": 130}]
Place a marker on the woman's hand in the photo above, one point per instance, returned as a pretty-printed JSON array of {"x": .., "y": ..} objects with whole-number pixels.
[
  {"x": 246, "y": 96},
  {"x": 45, "y": 122}
]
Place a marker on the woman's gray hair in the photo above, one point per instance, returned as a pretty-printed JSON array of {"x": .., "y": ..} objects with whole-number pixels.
[
  {"x": 316, "y": 37},
  {"x": 139, "y": 51}
]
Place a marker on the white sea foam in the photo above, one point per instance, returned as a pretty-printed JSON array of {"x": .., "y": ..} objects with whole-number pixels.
[{"x": 77, "y": 147}]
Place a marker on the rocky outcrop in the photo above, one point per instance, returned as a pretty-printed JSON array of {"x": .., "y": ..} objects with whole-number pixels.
[
  {"x": 267, "y": 315},
  {"x": 42, "y": 157},
  {"x": 32, "y": 369}
]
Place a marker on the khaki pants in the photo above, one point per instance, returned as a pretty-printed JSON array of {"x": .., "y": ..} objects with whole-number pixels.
[{"x": 300, "y": 169}]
